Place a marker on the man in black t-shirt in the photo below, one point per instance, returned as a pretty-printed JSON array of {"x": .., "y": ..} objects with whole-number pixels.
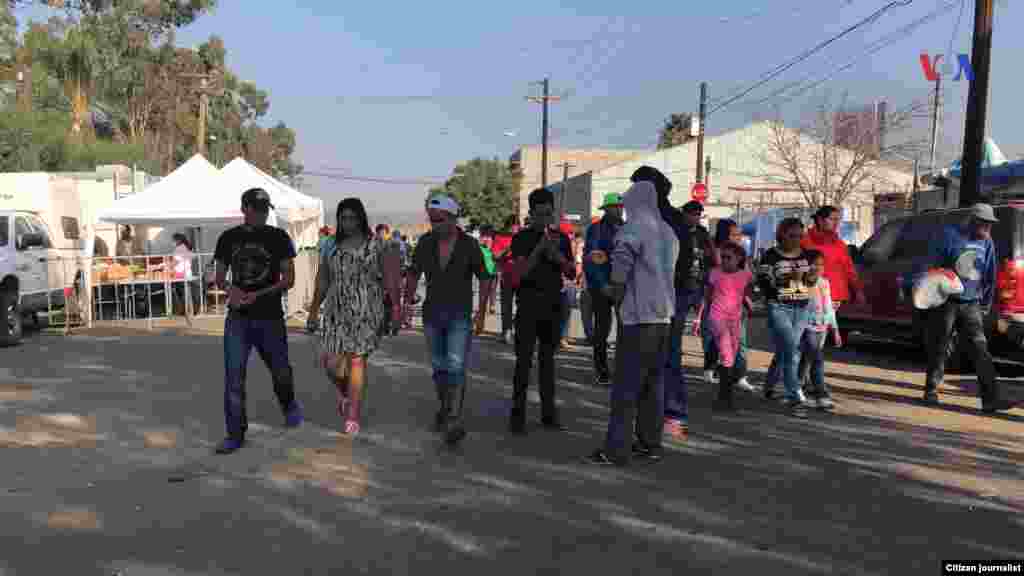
[
  {"x": 260, "y": 259},
  {"x": 544, "y": 256}
]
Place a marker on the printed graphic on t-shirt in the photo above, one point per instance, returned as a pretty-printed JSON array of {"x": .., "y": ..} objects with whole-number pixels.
[
  {"x": 967, "y": 265},
  {"x": 697, "y": 264},
  {"x": 250, "y": 266},
  {"x": 788, "y": 278}
]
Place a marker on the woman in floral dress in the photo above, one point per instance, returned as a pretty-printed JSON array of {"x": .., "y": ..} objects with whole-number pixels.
[{"x": 348, "y": 311}]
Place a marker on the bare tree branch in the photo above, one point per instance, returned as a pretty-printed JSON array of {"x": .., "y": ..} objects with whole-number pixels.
[{"x": 837, "y": 153}]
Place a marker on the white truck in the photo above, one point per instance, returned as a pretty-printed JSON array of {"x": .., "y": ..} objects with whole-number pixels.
[{"x": 35, "y": 265}]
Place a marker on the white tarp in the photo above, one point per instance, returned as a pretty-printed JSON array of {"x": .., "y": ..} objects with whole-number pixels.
[
  {"x": 196, "y": 194},
  {"x": 290, "y": 204}
]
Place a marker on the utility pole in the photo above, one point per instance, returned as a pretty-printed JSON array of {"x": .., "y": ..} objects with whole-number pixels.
[
  {"x": 544, "y": 100},
  {"x": 700, "y": 130},
  {"x": 565, "y": 177},
  {"x": 977, "y": 104},
  {"x": 707, "y": 174},
  {"x": 936, "y": 115},
  {"x": 208, "y": 86}
]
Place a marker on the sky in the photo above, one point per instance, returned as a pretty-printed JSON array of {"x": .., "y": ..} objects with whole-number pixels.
[{"x": 406, "y": 90}]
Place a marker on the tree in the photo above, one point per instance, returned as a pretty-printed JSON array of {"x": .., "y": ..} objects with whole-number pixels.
[
  {"x": 156, "y": 16},
  {"x": 676, "y": 131},
  {"x": 484, "y": 190},
  {"x": 837, "y": 152}
]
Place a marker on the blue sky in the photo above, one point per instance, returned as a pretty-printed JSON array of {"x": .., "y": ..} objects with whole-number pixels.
[{"x": 343, "y": 74}]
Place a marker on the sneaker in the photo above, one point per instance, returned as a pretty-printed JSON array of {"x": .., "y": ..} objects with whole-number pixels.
[
  {"x": 992, "y": 408},
  {"x": 644, "y": 452},
  {"x": 796, "y": 409},
  {"x": 745, "y": 385},
  {"x": 553, "y": 425},
  {"x": 229, "y": 445},
  {"x": 293, "y": 417},
  {"x": 824, "y": 403},
  {"x": 509, "y": 339},
  {"x": 710, "y": 377},
  {"x": 678, "y": 430},
  {"x": 603, "y": 380},
  {"x": 599, "y": 458},
  {"x": 517, "y": 428},
  {"x": 801, "y": 396},
  {"x": 455, "y": 435}
]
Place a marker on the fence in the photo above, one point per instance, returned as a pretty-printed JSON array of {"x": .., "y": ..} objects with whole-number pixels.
[
  {"x": 84, "y": 290},
  {"x": 154, "y": 287}
]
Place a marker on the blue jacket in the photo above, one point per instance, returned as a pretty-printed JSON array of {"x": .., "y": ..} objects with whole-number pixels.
[
  {"x": 600, "y": 236},
  {"x": 974, "y": 262}
]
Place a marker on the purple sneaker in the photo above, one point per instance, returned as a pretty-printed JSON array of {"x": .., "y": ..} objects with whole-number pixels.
[
  {"x": 293, "y": 417},
  {"x": 229, "y": 445}
]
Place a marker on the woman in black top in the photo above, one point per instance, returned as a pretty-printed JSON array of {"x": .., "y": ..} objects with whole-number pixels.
[{"x": 781, "y": 279}]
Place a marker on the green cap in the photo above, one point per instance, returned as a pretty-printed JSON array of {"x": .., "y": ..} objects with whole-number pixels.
[{"x": 611, "y": 199}]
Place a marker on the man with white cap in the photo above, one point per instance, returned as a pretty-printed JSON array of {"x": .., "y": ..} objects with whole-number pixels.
[
  {"x": 448, "y": 258},
  {"x": 968, "y": 251}
]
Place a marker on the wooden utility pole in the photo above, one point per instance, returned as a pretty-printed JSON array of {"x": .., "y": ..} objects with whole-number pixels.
[
  {"x": 936, "y": 117},
  {"x": 700, "y": 130},
  {"x": 544, "y": 100},
  {"x": 565, "y": 177},
  {"x": 977, "y": 105},
  {"x": 209, "y": 85}
]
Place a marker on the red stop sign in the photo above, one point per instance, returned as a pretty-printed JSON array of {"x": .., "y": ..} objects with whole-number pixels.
[{"x": 699, "y": 192}]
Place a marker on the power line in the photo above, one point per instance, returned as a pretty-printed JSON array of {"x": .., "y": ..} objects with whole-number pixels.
[
  {"x": 810, "y": 52},
  {"x": 374, "y": 179},
  {"x": 873, "y": 48}
]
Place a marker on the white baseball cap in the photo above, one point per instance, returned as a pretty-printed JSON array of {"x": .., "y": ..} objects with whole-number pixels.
[{"x": 445, "y": 204}]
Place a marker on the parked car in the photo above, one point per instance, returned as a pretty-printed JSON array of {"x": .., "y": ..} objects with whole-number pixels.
[{"x": 891, "y": 254}]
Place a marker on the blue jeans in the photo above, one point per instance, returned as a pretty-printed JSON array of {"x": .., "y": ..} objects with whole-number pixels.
[
  {"x": 566, "y": 314},
  {"x": 269, "y": 338},
  {"x": 448, "y": 342},
  {"x": 812, "y": 361},
  {"x": 636, "y": 396},
  {"x": 787, "y": 324},
  {"x": 676, "y": 405}
]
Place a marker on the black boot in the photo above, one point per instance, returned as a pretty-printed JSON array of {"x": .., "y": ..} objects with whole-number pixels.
[
  {"x": 453, "y": 428},
  {"x": 726, "y": 382}
]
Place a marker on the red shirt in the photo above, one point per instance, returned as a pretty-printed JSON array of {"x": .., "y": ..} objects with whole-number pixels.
[{"x": 839, "y": 269}]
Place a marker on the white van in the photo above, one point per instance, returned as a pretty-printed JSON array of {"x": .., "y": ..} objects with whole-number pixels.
[{"x": 40, "y": 227}]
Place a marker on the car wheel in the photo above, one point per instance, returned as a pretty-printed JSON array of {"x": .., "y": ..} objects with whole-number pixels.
[{"x": 10, "y": 320}]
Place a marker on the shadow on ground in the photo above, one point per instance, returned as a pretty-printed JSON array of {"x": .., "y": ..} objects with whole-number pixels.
[{"x": 844, "y": 493}]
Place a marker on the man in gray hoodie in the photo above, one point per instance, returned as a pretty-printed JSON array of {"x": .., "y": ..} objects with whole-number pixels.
[{"x": 643, "y": 279}]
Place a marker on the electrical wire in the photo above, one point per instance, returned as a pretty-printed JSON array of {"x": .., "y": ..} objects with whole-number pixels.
[
  {"x": 769, "y": 76},
  {"x": 873, "y": 48},
  {"x": 376, "y": 180}
]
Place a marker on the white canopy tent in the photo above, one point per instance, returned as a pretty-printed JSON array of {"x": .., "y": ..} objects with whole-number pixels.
[
  {"x": 198, "y": 195},
  {"x": 303, "y": 214}
]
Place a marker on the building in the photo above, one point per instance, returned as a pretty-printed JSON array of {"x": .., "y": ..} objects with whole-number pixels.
[
  {"x": 860, "y": 128},
  {"x": 525, "y": 165},
  {"x": 741, "y": 175}
]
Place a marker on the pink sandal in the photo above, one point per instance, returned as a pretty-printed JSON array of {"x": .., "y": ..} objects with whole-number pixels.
[{"x": 351, "y": 427}]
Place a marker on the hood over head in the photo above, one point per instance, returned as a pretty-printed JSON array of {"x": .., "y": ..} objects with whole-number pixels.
[{"x": 641, "y": 198}]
